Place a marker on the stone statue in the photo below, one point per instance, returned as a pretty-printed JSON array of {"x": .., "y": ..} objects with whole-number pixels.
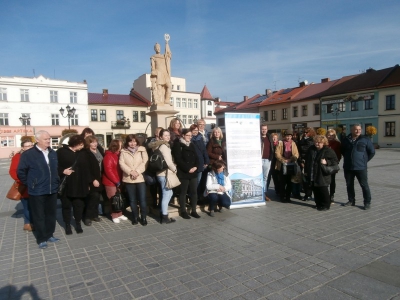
[{"x": 161, "y": 74}]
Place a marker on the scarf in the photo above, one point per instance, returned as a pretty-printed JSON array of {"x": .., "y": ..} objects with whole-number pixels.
[
  {"x": 287, "y": 152},
  {"x": 220, "y": 178},
  {"x": 182, "y": 140},
  {"x": 133, "y": 150}
]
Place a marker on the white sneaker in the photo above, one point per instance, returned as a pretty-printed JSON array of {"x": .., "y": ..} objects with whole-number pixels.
[
  {"x": 123, "y": 218},
  {"x": 116, "y": 220}
]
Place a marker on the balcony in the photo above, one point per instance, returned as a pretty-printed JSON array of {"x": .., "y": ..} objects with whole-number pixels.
[{"x": 121, "y": 124}]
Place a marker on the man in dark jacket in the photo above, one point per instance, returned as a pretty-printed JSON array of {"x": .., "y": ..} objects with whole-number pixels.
[
  {"x": 37, "y": 169},
  {"x": 267, "y": 153},
  {"x": 357, "y": 151}
]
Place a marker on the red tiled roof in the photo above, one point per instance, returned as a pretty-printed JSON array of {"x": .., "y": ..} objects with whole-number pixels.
[
  {"x": 283, "y": 95},
  {"x": 393, "y": 79},
  {"x": 133, "y": 99},
  {"x": 313, "y": 89},
  {"x": 244, "y": 105},
  {"x": 205, "y": 94}
]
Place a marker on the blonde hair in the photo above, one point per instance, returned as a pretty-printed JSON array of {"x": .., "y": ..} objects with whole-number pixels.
[
  {"x": 172, "y": 123},
  {"x": 220, "y": 131},
  {"x": 321, "y": 138},
  {"x": 332, "y": 132}
]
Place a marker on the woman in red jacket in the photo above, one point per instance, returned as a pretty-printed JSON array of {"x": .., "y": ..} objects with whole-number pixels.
[
  {"x": 335, "y": 145},
  {"x": 25, "y": 145},
  {"x": 112, "y": 175}
]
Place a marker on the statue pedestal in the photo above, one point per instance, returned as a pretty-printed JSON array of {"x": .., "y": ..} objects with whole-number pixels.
[{"x": 161, "y": 115}]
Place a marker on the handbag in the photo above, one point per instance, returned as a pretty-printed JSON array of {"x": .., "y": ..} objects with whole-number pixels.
[
  {"x": 289, "y": 168},
  {"x": 16, "y": 191},
  {"x": 171, "y": 180},
  {"x": 117, "y": 202},
  {"x": 330, "y": 170}
]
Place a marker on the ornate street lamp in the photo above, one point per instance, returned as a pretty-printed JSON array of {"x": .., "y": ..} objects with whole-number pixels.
[
  {"x": 24, "y": 120},
  {"x": 336, "y": 113},
  {"x": 69, "y": 115}
]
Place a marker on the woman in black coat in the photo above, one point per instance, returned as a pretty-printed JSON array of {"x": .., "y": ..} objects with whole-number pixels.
[
  {"x": 185, "y": 157},
  {"x": 94, "y": 158},
  {"x": 73, "y": 164},
  {"x": 317, "y": 155}
]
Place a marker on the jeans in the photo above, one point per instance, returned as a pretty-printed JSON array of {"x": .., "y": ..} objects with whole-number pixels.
[
  {"x": 43, "y": 211},
  {"x": 137, "y": 193},
  {"x": 219, "y": 199},
  {"x": 266, "y": 165},
  {"x": 25, "y": 205},
  {"x": 362, "y": 177},
  {"x": 166, "y": 195},
  {"x": 191, "y": 185}
]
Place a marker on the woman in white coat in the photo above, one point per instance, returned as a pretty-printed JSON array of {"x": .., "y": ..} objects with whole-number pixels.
[{"x": 218, "y": 187}]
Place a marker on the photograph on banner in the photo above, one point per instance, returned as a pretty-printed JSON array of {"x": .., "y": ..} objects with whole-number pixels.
[{"x": 244, "y": 158}]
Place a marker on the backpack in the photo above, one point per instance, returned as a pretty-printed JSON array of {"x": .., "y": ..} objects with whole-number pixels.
[{"x": 156, "y": 162}]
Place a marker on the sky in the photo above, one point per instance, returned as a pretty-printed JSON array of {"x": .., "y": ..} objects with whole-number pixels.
[{"x": 237, "y": 48}]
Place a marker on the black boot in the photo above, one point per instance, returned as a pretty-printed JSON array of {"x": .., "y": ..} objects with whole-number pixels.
[
  {"x": 135, "y": 221},
  {"x": 167, "y": 220},
  {"x": 185, "y": 215},
  {"x": 68, "y": 229},
  {"x": 143, "y": 221},
  {"x": 78, "y": 227}
]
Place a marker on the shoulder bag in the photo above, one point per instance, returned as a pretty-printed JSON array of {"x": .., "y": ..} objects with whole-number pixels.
[
  {"x": 16, "y": 191},
  {"x": 171, "y": 180}
]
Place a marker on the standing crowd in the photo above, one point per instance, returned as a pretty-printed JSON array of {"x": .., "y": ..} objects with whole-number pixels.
[{"x": 194, "y": 167}]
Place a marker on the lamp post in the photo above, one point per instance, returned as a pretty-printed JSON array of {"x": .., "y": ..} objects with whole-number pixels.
[
  {"x": 69, "y": 115},
  {"x": 24, "y": 120},
  {"x": 336, "y": 113},
  {"x": 126, "y": 121}
]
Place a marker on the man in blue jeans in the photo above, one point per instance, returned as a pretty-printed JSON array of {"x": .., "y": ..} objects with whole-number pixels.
[
  {"x": 357, "y": 151},
  {"x": 37, "y": 169}
]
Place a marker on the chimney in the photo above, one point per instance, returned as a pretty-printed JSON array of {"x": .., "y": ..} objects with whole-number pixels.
[
  {"x": 302, "y": 84},
  {"x": 105, "y": 92},
  {"x": 327, "y": 79},
  {"x": 268, "y": 92},
  {"x": 84, "y": 81},
  {"x": 245, "y": 98}
]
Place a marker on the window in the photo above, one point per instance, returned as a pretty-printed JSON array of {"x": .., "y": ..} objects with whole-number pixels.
[
  {"x": 304, "y": 110},
  {"x": 190, "y": 119},
  {"x": 3, "y": 94},
  {"x": 120, "y": 115},
  {"x": 354, "y": 105},
  {"x": 7, "y": 141},
  {"x": 389, "y": 128},
  {"x": 93, "y": 113},
  {"x": 53, "y": 96},
  {"x": 54, "y": 143},
  {"x": 329, "y": 108},
  {"x": 172, "y": 101},
  {"x": 368, "y": 104},
  {"x": 273, "y": 115},
  {"x": 209, "y": 113},
  {"x": 209, "y": 103},
  {"x": 73, "y": 98},
  {"x": 341, "y": 106},
  {"x": 190, "y": 103},
  {"x": 24, "y": 95},
  {"x": 55, "y": 119},
  {"x": 284, "y": 113},
  {"x": 172, "y": 87},
  {"x": 295, "y": 112},
  {"x": 184, "y": 119},
  {"x": 135, "y": 116},
  {"x": 142, "y": 116},
  {"x": 178, "y": 87},
  {"x": 28, "y": 120},
  {"x": 316, "y": 109},
  {"x": 103, "y": 116},
  {"x": 221, "y": 122},
  {"x": 390, "y": 102},
  {"x": 183, "y": 102},
  {"x": 178, "y": 102},
  {"x": 100, "y": 139},
  {"x": 194, "y": 103},
  {"x": 3, "y": 119},
  {"x": 195, "y": 118},
  {"x": 74, "y": 120},
  {"x": 266, "y": 115}
]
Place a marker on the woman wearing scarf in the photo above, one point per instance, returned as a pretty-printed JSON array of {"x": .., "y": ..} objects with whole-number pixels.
[
  {"x": 272, "y": 172},
  {"x": 285, "y": 152},
  {"x": 216, "y": 147},
  {"x": 133, "y": 162},
  {"x": 218, "y": 187},
  {"x": 185, "y": 157}
]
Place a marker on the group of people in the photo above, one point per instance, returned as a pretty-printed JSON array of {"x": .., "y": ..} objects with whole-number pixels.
[
  {"x": 88, "y": 174},
  {"x": 314, "y": 159}
]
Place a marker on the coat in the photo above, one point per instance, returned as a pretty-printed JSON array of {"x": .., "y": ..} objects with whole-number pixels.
[
  {"x": 357, "y": 155},
  {"x": 271, "y": 143},
  {"x": 212, "y": 184},
  {"x": 112, "y": 173},
  {"x": 302, "y": 146},
  {"x": 185, "y": 158},
  {"x": 165, "y": 150},
  {"x": 78, "y": 182},
  {"x": 279, "y": 154},
  {"x": 215, "y": 150},
  {"x": 201, "y": 151},
  {"x": 94, "y": 170},
  {"x": 13, "y": 173},
  {"x": 335, "y": 145},
  {"x": 33, "y": 171},
  {"x": 133, "y": 162},
  {"x": 313, "y": 160}
]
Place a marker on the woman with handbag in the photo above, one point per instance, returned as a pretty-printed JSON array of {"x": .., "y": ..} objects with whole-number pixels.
[
  {"x": 112, "y": 175},
  {"x": 133, "y": 161},
  {"x": 318, "y": 156},
  {"x": 25, "y": 145},
  {"x": 73, "y": 165},
  {"x": 163, "y": 145},
  {"x": 185, "y": 157},
  {"x": 286, "y": 152}
]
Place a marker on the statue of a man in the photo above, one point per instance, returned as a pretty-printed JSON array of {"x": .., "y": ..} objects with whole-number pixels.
[{"x": 161, "y": 75}]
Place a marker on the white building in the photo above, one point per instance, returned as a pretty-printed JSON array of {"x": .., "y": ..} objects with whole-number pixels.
[{"x": 40, "y": 99}]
